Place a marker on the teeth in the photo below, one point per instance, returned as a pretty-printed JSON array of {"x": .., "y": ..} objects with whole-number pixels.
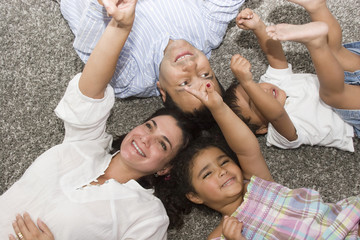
[
  {"x": 227, "y": 182},
  {"x": 274, "y": 93},
  {"x": 138, "y": 149},
  {"x": 182, "y": 57}
]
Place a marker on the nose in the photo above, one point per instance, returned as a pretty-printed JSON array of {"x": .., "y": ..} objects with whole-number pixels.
[
  {"x": 189, "y": 65},
  {"x": 222, "y": 172},
  {"x": 147, "y": 139}
]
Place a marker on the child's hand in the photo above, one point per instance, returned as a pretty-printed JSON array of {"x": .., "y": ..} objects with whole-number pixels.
[
  {"x": 248, "y": 20},
  {"x": 241, "y": 67},
  {"x": 207, "y": 95},
  {"x": 122, "y": 11},
  {"x": 231, "y": 228}
]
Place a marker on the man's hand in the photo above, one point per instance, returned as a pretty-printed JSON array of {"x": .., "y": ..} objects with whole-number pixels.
[{"x": 122, "y": 11}]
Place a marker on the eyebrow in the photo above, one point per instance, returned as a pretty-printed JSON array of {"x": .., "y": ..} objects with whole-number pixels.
[
  {"x": 207, "y": 165},
  {"x": 163, "y": 136}
]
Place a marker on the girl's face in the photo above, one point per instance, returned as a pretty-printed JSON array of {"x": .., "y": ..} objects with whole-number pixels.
[
  {"x": 216, "y": 178},
  {"x": 149, "y": 147}
]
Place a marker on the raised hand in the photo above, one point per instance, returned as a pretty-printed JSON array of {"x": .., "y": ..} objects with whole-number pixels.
[
  {"x": 122, "y": 11},
  {"x": 241, "y": 67},
  {"x": 248, "y": 20},
  {"x": 232, "y": 228},
  {"x": 26, "y": 229}
]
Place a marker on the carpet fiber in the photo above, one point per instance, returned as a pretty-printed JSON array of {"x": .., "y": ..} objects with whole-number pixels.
[{"x": 37, "y": 61}]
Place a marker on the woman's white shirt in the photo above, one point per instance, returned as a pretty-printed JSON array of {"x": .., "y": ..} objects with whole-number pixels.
[{"x": 55, "y": 189}]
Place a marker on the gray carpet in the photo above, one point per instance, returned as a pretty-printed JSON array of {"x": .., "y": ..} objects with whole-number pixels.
[{"x": 37, "y": 61}]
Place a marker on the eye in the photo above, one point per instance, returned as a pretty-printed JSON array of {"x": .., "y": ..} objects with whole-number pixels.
[
  {"x": 163, "y": 145},
  {"x": 225, "y": 162},
  {"x": 184, "y": 83},
  {"x": 206, "y": 175},
  {"x": 204, "y": 75},
  {"x": 148, "y": 125}
]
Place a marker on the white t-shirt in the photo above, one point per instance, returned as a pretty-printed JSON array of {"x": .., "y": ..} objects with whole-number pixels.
[
  {"x": 53, "y": 189},
  {"x": 315, "y": 122}
]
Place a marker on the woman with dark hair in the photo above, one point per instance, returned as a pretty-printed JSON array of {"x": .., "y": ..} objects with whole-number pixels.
[{"x": 78, "y": 188}]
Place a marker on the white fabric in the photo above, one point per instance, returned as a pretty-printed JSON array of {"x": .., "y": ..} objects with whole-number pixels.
[
  {"x": 315, "y": 122},
  {"x": 52, "y": 187}
]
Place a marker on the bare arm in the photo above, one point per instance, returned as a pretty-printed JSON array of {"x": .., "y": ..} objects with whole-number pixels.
[
  {"x": 248, "y": 20},
  {"x": 101, "y": 65},
  {"x": 267, "y": 105},
  {"x": 237, "y": 134}
]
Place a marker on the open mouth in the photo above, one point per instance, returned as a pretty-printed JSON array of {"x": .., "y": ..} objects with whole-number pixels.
[
  {"x": 137, "y": 148},
  {"x": 228, "y": 182},
  {"x": 182, "y": 56},
  {"x": 274, "y": 93}
]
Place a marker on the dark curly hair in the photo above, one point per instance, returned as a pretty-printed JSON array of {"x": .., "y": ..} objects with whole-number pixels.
[
  {"x": 173, "y": 191},
  {"x": 231, "y": 99}
]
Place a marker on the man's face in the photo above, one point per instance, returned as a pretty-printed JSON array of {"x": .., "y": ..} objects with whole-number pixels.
[{"x": 184, "y": 65}]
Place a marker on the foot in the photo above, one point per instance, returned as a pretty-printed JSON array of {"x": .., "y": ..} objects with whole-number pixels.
[
  {"x": 310, "y": 5},
  {"x": 313, "y": 33}
]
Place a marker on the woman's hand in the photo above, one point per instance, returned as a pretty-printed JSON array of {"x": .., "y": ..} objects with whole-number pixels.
[{"x": 26, "y": 229}]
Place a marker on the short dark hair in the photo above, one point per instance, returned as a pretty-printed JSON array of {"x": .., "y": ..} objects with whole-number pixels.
[
  {"x": 231, "y": 100},
  {"x": 202, "y": 117}
]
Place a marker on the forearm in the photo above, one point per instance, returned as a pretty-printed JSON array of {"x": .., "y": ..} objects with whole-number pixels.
[
  {"x": 272, "y": 49},
  {"x": 243, "y": 143},
  {"x": 237, "y": 134},
  {"x": 101, "y": 65}
]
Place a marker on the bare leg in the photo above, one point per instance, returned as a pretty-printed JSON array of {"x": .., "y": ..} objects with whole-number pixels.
[
  {"x": 333, "y": 90},
  {"x": 318, "y": 11}
]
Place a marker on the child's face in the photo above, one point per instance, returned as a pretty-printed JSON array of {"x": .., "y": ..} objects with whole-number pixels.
[
  {"x": 216, "y": 178},
  {"x": 248, "y": 108},
  {"x": 184, "y": 65}
]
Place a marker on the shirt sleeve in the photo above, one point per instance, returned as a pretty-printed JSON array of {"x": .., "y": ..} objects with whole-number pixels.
[
  {"x": 218, "y": 14},
  {"x": 84, "y": 118},
  {"x": 276, "y": 76},
  {"x": 273, "y": 138}
]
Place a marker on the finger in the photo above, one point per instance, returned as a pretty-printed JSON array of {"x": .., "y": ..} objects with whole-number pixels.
[
  {"x": 109, "y": 6},
  {"x": 11, "y": 237},
  {"x": 194, "y": 92},
  {"x": 209, "y": 87},
  {"x": 43, "y": 227},
  {"x": 17, "y": 230},
  {"x": 22, "y": 226},
  {"x": 29, "y": 223}
]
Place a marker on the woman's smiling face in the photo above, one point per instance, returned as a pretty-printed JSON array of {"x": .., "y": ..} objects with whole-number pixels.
[
  {"x": 149, "y": 147},
  {"x": 184, "y": 65}
]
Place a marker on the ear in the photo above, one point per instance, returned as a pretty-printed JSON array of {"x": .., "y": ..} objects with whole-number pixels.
[
  {"x": 162, "y": 91},
  {"x": 261, "y": 130},
  {"x": 164, "y": 171},
  {"x": 193, "y": 197}
]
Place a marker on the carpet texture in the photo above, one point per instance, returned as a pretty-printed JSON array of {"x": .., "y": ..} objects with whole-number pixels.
[{"x": 37, "y": 61}]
